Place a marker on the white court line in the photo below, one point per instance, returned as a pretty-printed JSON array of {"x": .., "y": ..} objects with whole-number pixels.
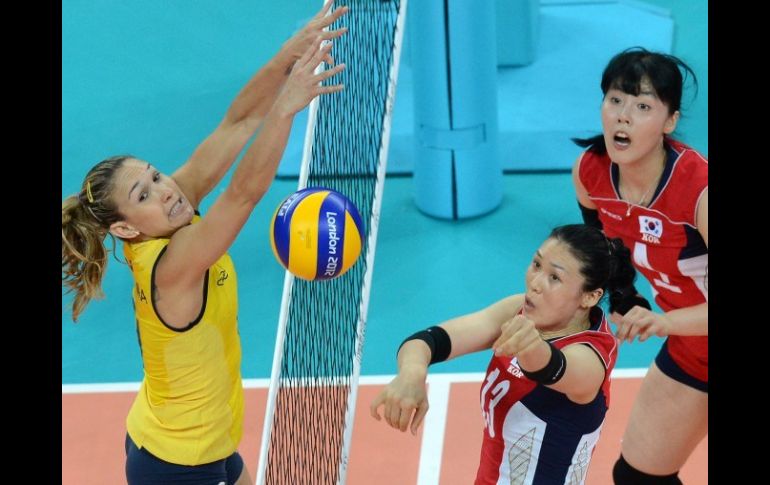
[
  {"x": 432, "y": 446},
  {"x": 434, "y": 426},
  {"x": 634, "y": 373},
  {"x": 377, "y": 380}
]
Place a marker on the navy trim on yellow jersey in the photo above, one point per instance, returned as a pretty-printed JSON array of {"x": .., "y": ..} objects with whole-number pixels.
[{"x": 152, "y": 297}]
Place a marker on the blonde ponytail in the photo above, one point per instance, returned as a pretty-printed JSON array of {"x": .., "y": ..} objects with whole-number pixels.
[{"x": 85, "y": 223}]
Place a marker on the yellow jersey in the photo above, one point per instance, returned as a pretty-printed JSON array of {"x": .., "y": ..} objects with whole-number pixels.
[{"x": 189, "y": 409}]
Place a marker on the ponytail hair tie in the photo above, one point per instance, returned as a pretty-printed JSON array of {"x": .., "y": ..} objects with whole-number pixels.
[{"x": 88, "y": 192}]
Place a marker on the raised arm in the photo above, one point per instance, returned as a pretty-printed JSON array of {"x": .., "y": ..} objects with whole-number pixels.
[
  {"x": 216, "y": 154},
  {"x": 405, "y": 399},
  {"x": 468, "y": 333},
  {"x": 194, "y": 248}
]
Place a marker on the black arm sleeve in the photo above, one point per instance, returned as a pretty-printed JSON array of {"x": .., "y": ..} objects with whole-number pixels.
[{"x": 590, "y": 217}]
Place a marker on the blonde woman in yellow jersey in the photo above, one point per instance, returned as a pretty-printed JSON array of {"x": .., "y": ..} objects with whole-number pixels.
[{"x": 187, "y": 419}]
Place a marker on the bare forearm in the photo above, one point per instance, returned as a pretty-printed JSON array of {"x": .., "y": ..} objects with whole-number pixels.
[
  {"x": 414, "y": 358},
  {"x": 257, "y": 96},
  {"x": 535, "y": 357},
  {"x": 690, "y": 321},
  {"x": 256, "y": 171},
  {"x": 216, "y": 154}
]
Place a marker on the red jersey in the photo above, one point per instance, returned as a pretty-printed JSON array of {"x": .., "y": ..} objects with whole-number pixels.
[
  {"x": 665, "y": 244},
  {"x": 534, "y": 434}
]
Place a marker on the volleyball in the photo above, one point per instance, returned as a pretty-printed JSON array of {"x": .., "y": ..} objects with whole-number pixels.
[{"x": 316, "y": 233}]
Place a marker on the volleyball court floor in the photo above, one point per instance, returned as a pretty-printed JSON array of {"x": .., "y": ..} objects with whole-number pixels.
[
  {"x": 426, "y": 270},
  {"x": 445, "y": 451}
]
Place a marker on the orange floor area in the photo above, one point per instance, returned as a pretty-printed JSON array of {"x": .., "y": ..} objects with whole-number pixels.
[{"x": 93, "y": 434}]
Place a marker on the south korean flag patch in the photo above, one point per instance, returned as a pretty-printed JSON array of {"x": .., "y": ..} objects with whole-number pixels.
[{"x": 651, "y": 227}]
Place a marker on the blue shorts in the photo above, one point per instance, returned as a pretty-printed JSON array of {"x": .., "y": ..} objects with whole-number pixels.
[
  {"x": 143, "y": 468},
  {"x": 666, "y": 364}
]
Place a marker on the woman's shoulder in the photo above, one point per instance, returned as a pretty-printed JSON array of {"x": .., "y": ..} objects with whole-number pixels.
[
  {"x": 591, "y": 162},
  {"x": 689, "y": 175},
  {"x": 592, "y": 171},
  {"x": 141, "y": 256},
  {"x": 688, "y": 155}
]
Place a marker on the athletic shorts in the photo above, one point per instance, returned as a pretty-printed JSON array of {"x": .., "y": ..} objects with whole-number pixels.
[
  {"x": 666, "y": 364},
  {"x": 144, "y": 468}
]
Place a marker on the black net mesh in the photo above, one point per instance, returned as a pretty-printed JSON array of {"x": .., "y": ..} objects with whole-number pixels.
[{"x": 324, "y": 318}]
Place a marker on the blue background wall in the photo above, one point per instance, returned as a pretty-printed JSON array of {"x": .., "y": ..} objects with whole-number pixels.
[{"x": 154, "y": 78}]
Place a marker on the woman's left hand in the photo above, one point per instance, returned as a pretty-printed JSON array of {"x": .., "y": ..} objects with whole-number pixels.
[
  {"x": 640, "y": 322},
  {"x": 304, "y": 84},
  {"x": 302, "y": 40}
]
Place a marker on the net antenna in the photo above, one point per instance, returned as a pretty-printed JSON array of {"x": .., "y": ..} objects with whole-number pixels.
[{"x": 317, "y": 360}]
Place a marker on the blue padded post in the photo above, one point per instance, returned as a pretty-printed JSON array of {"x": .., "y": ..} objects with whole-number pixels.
[
  {"x": 454, "y": 63},
  {"x": 518, "y": 23}
]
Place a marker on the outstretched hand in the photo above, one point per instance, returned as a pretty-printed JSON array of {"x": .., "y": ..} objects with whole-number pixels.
[
  {"x": 303, "y": 83},
  {"x": 640, "y": 322},
  {"x": 517, "y": 335},
  {"x": 405, "y": 400},
  {"x": 302, "y": 40}
]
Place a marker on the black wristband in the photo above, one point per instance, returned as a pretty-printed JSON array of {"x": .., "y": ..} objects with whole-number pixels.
[
  {"x": 553, "y": 370},
  {"x": 437, "y": 339}
]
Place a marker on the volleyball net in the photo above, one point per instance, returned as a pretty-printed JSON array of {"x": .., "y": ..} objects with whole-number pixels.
[{"x": 314, "y": 381}]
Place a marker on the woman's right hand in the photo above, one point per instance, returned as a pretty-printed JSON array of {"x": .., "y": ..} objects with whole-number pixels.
[
  {"x": 405, "y": 400},
  {"x": 304, "y": 84}
]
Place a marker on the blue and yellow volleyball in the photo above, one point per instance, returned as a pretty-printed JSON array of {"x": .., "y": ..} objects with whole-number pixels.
[{"x": 316, "y": 233}]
